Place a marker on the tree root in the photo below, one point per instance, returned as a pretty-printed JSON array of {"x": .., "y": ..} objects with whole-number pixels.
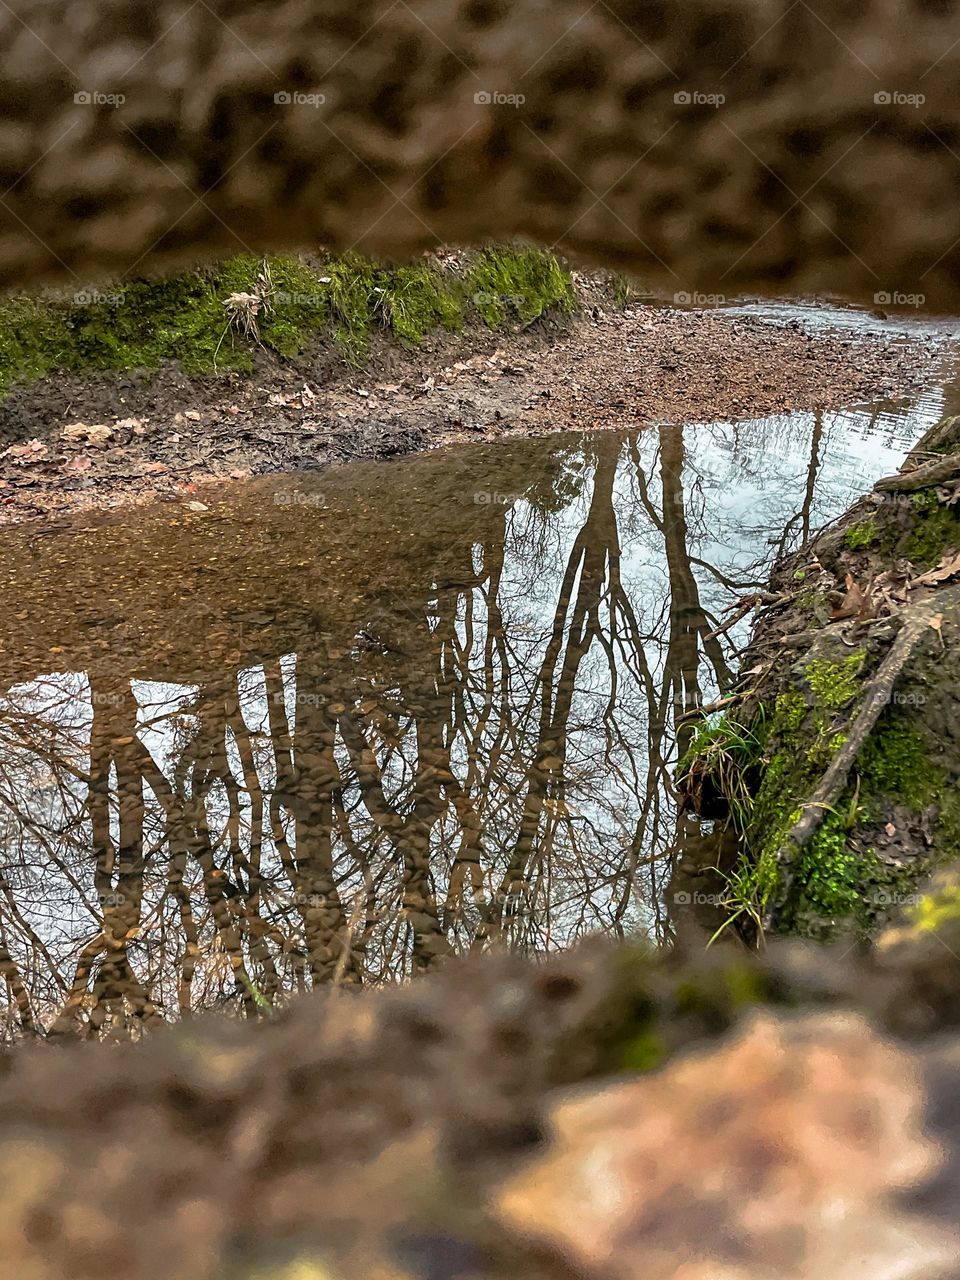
[{"x": 926, "y": 477}]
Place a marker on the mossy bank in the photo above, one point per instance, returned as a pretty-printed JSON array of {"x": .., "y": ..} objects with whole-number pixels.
[
  {"x": 838, "y": 764},
  {"x": 215, "y": 318}
]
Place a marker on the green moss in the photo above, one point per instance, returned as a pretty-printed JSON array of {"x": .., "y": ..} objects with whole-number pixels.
[
  {"x": 862, "y": 534},
  {"x": 829, "y": 875},
  {"x": 661, "y": 1015},
  {"x": 525, "y": 283},
  {"x": 790, "y": 711},
  {"x": 936, "y": 530},
  {"x": 718, "y": 995},
  {"x": 139, "y": 324},
  {"x": 803, "y": 739},
  {"x": 894, "y": 762},
  {"x": 825, "y": 745},
  {"x": 834, "y": 684},
  {"x": 643, "y": 1052},
  {"x": 934, "y": 910}
]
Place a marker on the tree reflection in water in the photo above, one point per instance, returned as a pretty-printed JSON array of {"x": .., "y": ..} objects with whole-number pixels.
[{"x": 478, "y": 754}]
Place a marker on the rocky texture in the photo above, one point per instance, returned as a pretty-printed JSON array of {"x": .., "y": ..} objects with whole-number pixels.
[
  {"x": 790, "y": 1182},
  {"x": 395, "y": 127},
  {"x": 390, "y": 1136}
]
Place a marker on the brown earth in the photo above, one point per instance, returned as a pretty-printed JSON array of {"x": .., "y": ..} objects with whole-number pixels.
[{"x": 76, "y": 442}]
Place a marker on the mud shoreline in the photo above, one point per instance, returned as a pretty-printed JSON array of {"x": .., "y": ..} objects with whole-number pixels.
[{"x": 99, "y": 441}]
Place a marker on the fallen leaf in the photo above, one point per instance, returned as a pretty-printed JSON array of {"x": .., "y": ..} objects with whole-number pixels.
[
  {"x": 855, "y": 604},
  {"x": 948, "y": 566},
  {"x": 97, "y": 433},
  {"x": 77, "y": 464},
  {"x": 198, "y": 506},
  {"x": 193, "y": 415},
  {"x": 32, "y": 451},
  {"x": 155, "y": 468}
]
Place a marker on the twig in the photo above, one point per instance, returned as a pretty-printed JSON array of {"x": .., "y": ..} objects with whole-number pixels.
[
  {"x": 709, "y": 707},
  {"x": 344, "y": 956}
]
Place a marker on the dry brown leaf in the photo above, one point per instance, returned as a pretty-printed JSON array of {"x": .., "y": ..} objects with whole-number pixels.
[
  {"x": 78, "y": 464},
  {"x": 96, "y": 433},
  {"x": 857, "y": 603},
  {"x": 948, "y": 566},
  {"x": 32, "y": 451}
]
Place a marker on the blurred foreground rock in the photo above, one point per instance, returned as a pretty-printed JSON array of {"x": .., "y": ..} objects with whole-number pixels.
[
  {"x": 430, "y": 1131},
  {"x": 783, "y": 1154}
]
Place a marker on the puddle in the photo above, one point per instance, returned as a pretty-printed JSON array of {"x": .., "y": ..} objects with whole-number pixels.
[
  {"x": 824, "y": 315},
  {"x": 426, "y": 706}
]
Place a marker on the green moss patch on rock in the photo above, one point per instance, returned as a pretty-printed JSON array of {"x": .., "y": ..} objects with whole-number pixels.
[
  {"x": 862, "y": 534},
  {"x": 293, "y": 304}
]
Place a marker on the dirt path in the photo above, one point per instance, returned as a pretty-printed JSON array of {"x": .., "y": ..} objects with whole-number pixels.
[{"x": 107, "y": 440}]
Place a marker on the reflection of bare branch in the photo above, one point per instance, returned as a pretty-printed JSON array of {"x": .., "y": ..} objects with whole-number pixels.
[{"x": 488, "y": 763}]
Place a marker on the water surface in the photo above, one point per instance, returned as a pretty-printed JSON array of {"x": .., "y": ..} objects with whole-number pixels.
[{"x": 338, "y": 727}]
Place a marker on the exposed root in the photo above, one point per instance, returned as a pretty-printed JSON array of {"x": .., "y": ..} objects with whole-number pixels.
[{"x": 926, "y": 477}]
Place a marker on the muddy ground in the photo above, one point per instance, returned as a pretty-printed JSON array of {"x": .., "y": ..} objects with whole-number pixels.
[{"x": 76, "y": 442}]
